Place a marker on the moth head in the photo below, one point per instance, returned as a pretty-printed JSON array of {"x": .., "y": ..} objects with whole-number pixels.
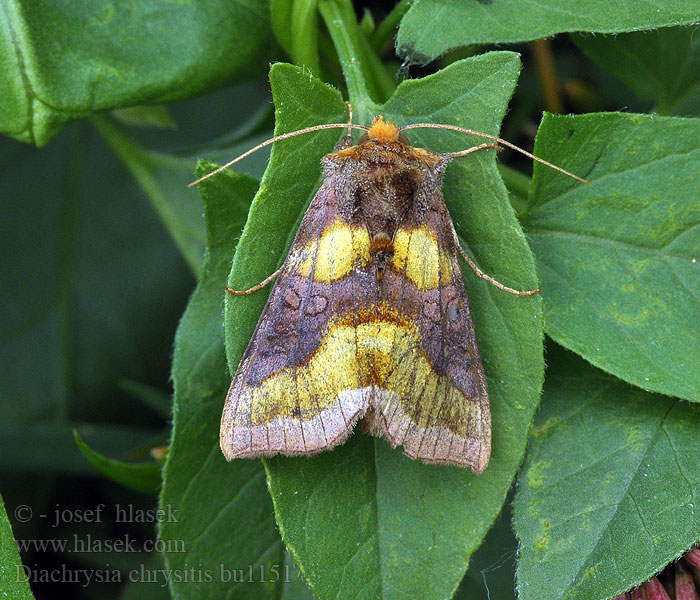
[
  {"x": 384, "y": 151},
  {"x": 384, "y": 132}
]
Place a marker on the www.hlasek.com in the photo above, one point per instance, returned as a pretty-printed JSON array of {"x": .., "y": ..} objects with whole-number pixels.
[{"x": 82, "y": 544}]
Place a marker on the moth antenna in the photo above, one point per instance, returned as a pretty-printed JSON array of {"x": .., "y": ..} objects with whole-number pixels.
[
  {"x": 489, "y": 137},
  {"x": 483, "y": 146},
  {"x": 279, "y": 138}
]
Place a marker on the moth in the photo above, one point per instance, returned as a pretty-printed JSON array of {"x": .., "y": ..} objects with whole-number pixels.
[{"x": 368, "y": 320}]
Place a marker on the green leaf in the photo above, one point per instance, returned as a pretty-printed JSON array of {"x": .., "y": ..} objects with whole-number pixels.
[
  {"x": 387, "y": 28},
  {"x": 163, "y": 178},
  {"x": 295, "y": 587},
  {"x": 431, "y": 28},
  {"x": 225, "y": 518},
  {"x": 661, "y": 65},
  {"x": 619, "y": 258},
  {"x": 49, "y": 448},
  {"x": 364, "y": 538},
  {"x": 142, "y": 477},
  {"x": 305, "y": 34},
  {"x": 83, "y": 57},
  {"x": 367, "y": 24},
  {"x": 13, "y": 581},
  {"x": 154, "y": 586},
  {"x": 610, "y": 488}
]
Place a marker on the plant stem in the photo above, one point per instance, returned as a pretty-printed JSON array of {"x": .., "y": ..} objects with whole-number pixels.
[
  {"x": 367, "y": 79},
  {"x": 547, "y": 74}
]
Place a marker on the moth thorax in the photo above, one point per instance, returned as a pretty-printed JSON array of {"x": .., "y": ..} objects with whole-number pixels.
[{"x": 381, "y": 250}]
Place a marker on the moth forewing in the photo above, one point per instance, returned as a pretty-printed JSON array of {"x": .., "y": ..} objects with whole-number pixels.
[{"x": 274, "y": 404}]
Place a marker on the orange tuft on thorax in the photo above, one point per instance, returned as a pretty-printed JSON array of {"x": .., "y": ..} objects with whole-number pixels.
[{"x": 383, "y": 131}]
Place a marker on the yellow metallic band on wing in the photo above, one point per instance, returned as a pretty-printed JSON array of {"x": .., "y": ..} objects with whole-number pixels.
[
  {"x": 342, "y": 248},
  {"x": 384, "y": 354},
  {"x": 418, "y": 255}
]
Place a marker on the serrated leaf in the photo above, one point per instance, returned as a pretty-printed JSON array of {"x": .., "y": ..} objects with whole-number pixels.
[
  {"x": 431, "y": 27},
  {"x": 79, "y": 58},
  {"x": 360, "y": 518},
  {"x": 661, "y": 65},
  {"x": 142, "y": 477},
  {"x": 209, "y": 494},
  {"x": 619, "y": 258},
  {"x": 13, "y": 581},
  {"x": 608, "y": 493}
]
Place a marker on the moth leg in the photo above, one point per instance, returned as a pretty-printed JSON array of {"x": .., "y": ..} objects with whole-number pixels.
[
  {"x": 480, "y": 273},
  {"x": 349, "y": 118},
  {"x": 485, "y": 146},
  {"x": 347, "y": 141},
  {"x": 255, "y": 288},
  {"x": 466, "y": 257},
  {"x": 498, "y": 284}
]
